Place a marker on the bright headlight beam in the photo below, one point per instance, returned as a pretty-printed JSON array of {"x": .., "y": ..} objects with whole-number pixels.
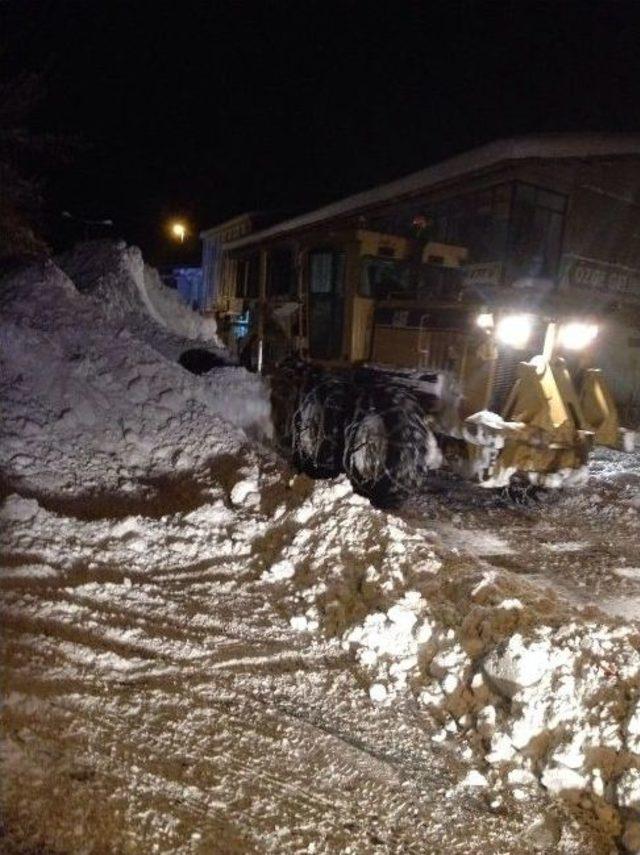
[
  {"x": 485, "y": 320},
  {"x": 577, "y": 335},
  {"x": 514, "y": 330}
]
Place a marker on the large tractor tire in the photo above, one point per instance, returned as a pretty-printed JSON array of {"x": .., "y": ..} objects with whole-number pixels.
[
  {"x": 289, "y": 384},
  {"x": 319, "y": 428},
  {"x": 389, "y": 447}
]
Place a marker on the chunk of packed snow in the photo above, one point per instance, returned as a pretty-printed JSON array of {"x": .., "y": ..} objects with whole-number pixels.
[
  {"x": 279, "y": 571},
  {"x": 244, "y": 493},
  {"x": 518, "y": 666},
  {"x": 559, "y": 780},
  {"x": 377, "y": 693},
  {"x": 474, "y": 779}
]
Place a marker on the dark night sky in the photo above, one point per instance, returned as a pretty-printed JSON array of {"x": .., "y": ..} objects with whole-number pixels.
[{"x": 208, "y": 108}]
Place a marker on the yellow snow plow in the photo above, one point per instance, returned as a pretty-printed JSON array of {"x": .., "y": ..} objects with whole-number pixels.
[{"x": 390, "y": 365}]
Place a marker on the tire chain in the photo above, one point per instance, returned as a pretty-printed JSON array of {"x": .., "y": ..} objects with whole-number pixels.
[{"x": 320, "y": 415}]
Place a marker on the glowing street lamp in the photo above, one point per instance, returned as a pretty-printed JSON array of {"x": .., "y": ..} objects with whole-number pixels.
[{"x": 179, "y": 231}]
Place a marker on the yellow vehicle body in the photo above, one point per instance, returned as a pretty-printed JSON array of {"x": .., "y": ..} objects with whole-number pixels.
[{"x": 542, "y": 427}]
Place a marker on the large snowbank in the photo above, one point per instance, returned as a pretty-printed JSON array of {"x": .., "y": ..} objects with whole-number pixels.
[
  {"x": 87, "y": 404},
  {"x": 131, "y": 292},
  {"x": 539, "y": 693}
]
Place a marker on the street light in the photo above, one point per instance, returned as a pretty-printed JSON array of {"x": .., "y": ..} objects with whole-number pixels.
[{"x": 179, "y": 231}]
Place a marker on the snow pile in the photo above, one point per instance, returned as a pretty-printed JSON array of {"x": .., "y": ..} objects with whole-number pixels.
[
  {"x": 132, "y": 293},
  {"x": 536, "y": 703},
  {"x": 87, "y": 405},
  {"x": 539, "y": 694},
  {"x": 157, "y": 669},
  {"x": 347, "y": 558}
]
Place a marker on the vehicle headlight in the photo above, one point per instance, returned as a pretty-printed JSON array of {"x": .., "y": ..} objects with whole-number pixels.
[
  {"x": 485, "y": 320},
  {"x": 514, "y": 330},
  {"x": 576, "y": 335}
]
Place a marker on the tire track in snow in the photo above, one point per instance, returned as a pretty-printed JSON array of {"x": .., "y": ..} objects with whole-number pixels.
[{"x": 302, "y": 805}]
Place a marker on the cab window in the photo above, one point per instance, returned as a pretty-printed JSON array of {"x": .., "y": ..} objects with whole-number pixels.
[
  {"x": 280, "y": 273},
  {"x": 381, "y": 277}
]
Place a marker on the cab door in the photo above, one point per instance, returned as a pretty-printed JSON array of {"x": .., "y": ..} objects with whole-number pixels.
[{"x": 326, "y": 303}]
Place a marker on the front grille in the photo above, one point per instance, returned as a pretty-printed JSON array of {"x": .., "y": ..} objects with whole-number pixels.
[
  {"x": 504, "y": 378},
  {"x": 506, "y": 369},
  {"x": 440, "y": 350}
]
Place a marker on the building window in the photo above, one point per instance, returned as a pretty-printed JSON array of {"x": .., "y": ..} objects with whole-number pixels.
[
  {"x": 248, "y": 277},
  {"x": 381, "y": 277},
  {"x": 326, "y": 303},
  {"x": 479, "y": 222},
  {"x": 535, "y": 235}
]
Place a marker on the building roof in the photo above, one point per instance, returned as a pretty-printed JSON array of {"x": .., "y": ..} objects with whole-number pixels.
[
  {"x": 548, "y": 147},
  {"x": 232, "y": 221},
  {"x": 257, "y": 219}
]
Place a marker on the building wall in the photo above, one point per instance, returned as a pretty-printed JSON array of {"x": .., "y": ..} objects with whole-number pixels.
[
  {"x": 598, "y": 260},
  {"x": 217, "y": 268}
]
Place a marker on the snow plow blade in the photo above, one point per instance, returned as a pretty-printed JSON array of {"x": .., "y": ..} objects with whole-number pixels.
[
  {"x": 542, "y": 433},
  {"x": 601, "y": 413},
  {"x": 547, "y": 430},
  {"x": 544, "y": 398}
]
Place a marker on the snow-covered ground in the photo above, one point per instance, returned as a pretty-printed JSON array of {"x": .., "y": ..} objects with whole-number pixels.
[{"x": 204, "y": 652}]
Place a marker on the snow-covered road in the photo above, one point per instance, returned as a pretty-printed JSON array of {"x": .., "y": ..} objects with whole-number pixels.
[
  {"x": 203, "y": 652},
  {"x": 166, "y": 688},
  {"x": 160, "y": 703},
  {"x": 583, "y": 543}
]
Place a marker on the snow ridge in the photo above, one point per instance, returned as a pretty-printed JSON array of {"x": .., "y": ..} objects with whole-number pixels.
[
  {"x": 542, "y": 696},
  {"x": 91, "y": 404},
  {"x": 130, "y": 291}
]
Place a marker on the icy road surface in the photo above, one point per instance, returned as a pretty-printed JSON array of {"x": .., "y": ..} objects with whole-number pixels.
[
  {"x": 157, "y": 699},
  {"x": 584, "y": 543},
  {"x": 168, "y": 690},
  {"x": 203, "y": 653}
]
